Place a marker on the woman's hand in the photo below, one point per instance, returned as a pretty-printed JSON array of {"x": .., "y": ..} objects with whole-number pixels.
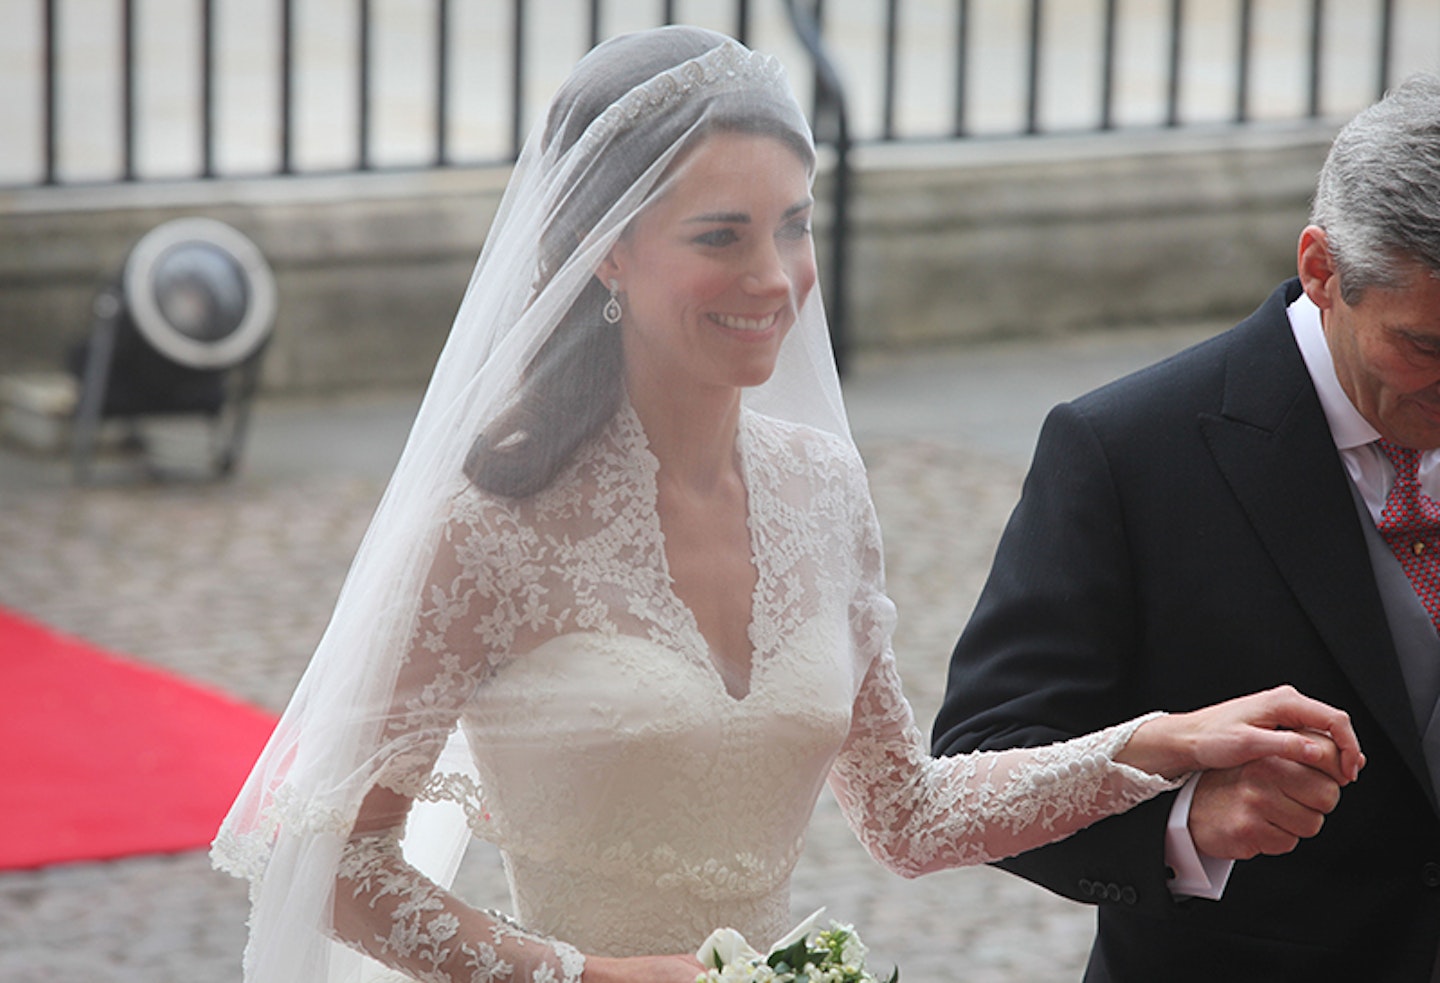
[
  {"x": 1278, "y": 722},
  {"x": 641, "y": 969}
]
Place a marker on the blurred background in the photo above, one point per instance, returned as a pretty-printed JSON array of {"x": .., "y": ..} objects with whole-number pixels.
[{"x": 1018, "y": 200}]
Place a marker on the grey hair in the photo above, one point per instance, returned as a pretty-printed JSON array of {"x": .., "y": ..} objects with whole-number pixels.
[{"x": 1378, "y": 195}]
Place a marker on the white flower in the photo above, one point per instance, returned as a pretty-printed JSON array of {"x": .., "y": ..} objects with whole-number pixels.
[
  {"x": 728, "y": 958},
  {"x": 854, "y": 951},
  {"x": 729, "y": 946}
]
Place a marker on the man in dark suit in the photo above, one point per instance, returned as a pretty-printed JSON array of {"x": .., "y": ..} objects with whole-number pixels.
[{"x": 1223, "y": 522}]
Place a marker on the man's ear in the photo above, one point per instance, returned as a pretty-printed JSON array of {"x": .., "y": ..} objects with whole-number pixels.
[{"x": 1316, "y": 266}]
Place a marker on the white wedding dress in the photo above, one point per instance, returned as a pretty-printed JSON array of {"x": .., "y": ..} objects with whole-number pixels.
[{"x": 637, "y": 802}]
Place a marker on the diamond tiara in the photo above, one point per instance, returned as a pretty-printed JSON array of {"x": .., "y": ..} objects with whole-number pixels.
[{"x": 729, "y": 63}]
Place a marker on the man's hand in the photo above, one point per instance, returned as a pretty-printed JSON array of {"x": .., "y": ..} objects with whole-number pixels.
[{"x": 1266, "y": 806}]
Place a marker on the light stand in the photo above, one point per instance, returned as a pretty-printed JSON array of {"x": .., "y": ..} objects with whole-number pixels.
[{"x": 183, "y": 332}]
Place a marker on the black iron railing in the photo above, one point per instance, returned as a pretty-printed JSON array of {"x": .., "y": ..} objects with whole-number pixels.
[
  {"x": 913, "y": 70},
  {"x": 832, "y": 124},
  {"x": 1351, "y": 47}
]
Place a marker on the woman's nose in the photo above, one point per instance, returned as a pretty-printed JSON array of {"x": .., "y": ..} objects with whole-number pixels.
[{"x": 767, "y": 272}]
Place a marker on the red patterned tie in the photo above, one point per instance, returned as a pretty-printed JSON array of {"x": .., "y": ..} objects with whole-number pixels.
[{"x": 1410, "y": 523}]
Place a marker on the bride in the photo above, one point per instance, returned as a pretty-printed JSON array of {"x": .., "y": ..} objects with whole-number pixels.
[{"x": 621, "y": 611}]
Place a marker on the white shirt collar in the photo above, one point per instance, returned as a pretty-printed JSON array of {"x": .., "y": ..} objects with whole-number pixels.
[{"x": 1347, "y": 426}]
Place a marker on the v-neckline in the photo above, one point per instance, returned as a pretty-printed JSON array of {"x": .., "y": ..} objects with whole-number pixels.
[{"x": 698, "y": 643}]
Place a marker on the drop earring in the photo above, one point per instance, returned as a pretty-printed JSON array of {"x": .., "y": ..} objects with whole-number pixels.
[{"x": 611, "y": 311}]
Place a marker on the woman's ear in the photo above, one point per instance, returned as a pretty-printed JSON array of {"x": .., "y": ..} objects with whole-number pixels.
[{"x": 611, "y": 268}]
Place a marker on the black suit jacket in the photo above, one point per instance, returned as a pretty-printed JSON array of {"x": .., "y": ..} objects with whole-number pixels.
[{"x": 1185, "y": 535}]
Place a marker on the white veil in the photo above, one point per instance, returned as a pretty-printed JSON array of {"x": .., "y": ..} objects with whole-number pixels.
[{"x": 529, "y": 372}]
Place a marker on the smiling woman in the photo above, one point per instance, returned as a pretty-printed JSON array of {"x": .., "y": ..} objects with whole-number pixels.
[
  {"x": 711, "y": 277},
  {"x": 629, "y": 631}
]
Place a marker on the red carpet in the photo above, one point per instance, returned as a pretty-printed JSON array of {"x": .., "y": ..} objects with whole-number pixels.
[{"x": 105, "y": 758}]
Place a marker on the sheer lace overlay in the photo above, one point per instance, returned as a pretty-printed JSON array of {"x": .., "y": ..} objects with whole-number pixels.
[
  {"x": 917, "y": 814},
  {"x": 637, "y": 803},
  {"x": 427, "y": 928}
]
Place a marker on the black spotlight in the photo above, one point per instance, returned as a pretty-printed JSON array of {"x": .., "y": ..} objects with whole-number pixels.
[{"x": 182, "y": 333}]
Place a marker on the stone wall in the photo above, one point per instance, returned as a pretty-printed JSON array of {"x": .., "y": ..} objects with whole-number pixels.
[
  {"x": 987, "y": 241},
  {"x": 951, "y": 243}
]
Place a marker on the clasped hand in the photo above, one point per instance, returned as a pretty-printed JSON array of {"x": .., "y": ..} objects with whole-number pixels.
[{"x": 1274, "y": 764}]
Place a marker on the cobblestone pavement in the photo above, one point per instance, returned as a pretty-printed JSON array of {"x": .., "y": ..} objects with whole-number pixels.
[{"x": 231, "y": 584}]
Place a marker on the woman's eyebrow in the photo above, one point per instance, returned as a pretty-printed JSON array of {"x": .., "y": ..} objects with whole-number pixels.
[
  {"x": 731, "y": 217},
  {"x": 743, "y": 218}
]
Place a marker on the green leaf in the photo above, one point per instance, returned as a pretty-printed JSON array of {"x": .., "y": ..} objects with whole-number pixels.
[{"x": 792, "y": 955}]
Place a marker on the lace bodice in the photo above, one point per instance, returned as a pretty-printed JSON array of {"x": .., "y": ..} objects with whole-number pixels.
[{"x": 637, "y": 803}]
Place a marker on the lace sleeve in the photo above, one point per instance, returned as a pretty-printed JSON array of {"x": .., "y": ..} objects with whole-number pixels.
[
  {"x": 408, "y": 922},
  {"x": 917, "y": 814},
  {"x": 385, "y": 907}
]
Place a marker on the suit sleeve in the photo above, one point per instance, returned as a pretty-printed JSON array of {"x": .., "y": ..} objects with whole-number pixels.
[{"x": 1052, "y": 652}]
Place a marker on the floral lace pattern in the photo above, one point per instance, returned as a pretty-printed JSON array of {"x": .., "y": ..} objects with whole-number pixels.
[
  {"x": 638, "y": 804},
  {"x": 917, "y": 814},
  {"x": 424, "y": 933}
]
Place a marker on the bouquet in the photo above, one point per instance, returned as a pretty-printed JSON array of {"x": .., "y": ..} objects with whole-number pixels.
[{"x": 833, "y": 955}]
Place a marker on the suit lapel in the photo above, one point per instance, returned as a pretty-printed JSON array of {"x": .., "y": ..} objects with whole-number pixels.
[{"x": 1273, "y": 445}]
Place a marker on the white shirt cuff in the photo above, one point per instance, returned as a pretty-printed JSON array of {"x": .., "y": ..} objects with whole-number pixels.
[{"x": 1197, "y": 875}]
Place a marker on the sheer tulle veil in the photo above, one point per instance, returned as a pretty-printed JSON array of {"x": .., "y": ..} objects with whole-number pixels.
[{"x": 531, "y": 369}]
